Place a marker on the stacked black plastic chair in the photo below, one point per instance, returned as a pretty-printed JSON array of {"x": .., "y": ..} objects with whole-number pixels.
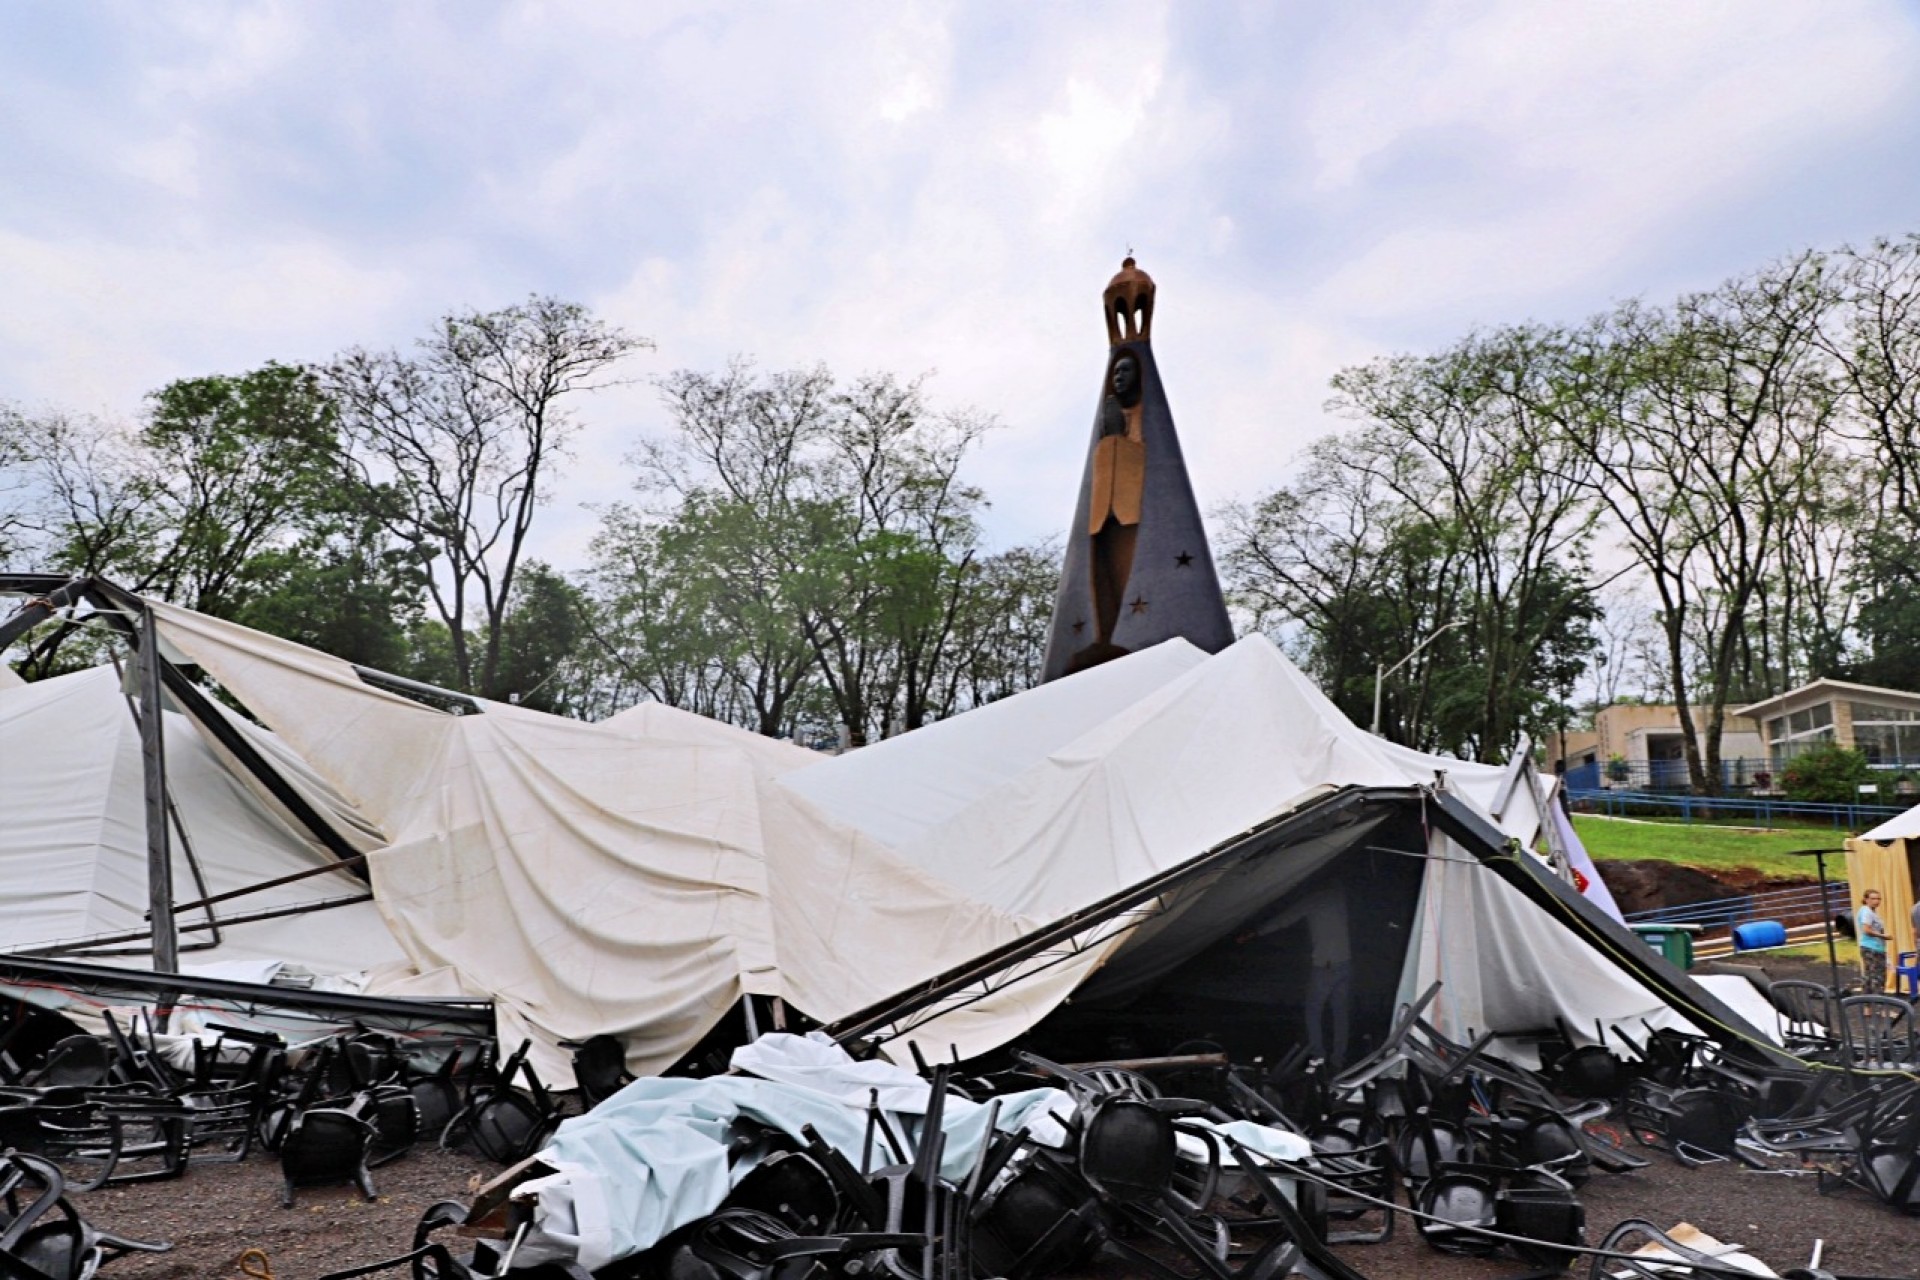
[{"x": 42, "y": 1236}]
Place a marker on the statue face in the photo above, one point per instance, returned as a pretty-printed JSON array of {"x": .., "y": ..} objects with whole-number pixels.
[{"x": 1126, "y": 376}]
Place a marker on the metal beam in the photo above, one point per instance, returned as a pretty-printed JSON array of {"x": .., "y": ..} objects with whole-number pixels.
[
  {"x": 119, "y": 601},
  {"x": 67, "y": 975},
  {"x": 983, "y": 970},
  {"x": 48, "y": 592}
]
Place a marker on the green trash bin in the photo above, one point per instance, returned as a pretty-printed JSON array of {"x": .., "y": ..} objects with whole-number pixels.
[{"x": 1674, "y": 941}]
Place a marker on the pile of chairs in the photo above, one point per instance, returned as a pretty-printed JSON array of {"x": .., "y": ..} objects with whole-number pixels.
[
  {"x": 361, "y": 1101},
  {"x": 115, "y": 1110},
  {"x": 1487, "y": 1155},
  {"x": 1133, "y": 1179},
  {"x": 1863, "y": 1032},
  {"x": 132, "y": 1107}
]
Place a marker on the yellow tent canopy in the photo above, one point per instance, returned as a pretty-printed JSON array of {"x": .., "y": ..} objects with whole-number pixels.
[{"x": 1887, "y": 858}]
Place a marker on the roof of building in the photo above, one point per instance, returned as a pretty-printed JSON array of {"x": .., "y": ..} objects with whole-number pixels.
[{"x": 1758, "y": 709}]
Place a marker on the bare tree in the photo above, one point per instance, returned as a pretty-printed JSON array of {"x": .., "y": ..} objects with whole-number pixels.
[
  {"x": 823, "y": 530},
  {"x": 460, "y": 438},
  {"x": 1707, "y": 428},
  {"x": 1458, "y": 439}
]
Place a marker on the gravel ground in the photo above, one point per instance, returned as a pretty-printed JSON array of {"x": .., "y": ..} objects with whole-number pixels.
[{"x": 217, "y": 1211}]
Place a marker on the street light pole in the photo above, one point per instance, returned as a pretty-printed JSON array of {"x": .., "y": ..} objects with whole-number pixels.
[{"x": 1380, "y": 674}]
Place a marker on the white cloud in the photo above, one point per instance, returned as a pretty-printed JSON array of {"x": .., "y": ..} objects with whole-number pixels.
[{"x": 921, "y": 186}]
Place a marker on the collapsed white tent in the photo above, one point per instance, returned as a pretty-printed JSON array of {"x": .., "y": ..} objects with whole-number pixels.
[
  {"x": 73, "y": 844},
  {"x": 1047, "y": 801},
  {"x": 634, "y": 878},
  {"x": 639, "y": 876}
]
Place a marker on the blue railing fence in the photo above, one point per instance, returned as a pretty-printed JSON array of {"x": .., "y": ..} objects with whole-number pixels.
[
  {"x": 1738, "y": 777},
  {"x": 1762, "y": 812},
  {"x": 1804, "y": 904}
]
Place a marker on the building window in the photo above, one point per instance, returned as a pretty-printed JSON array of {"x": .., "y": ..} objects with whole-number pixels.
[
  {"x": 1886, "y": 735},
  {"x": 1797, "y": 731}
]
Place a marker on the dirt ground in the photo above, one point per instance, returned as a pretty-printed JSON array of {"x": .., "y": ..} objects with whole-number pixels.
[{"x": 216, "y": 1211}]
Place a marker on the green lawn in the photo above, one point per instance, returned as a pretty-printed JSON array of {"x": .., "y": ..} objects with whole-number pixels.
[
  {"x": 1710, "y": 847},
  {"x": 1845, "y": 949}
]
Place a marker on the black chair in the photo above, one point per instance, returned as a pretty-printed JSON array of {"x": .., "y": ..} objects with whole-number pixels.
[
  {"x": 1464, "y": 1203},
  {"x": 502, "y": 1123},
  {"x": 1694, "y": 1124},
  {"x": 1877, "y": 1033},
  {"x": 599, "y": 1068},
  {"x": 436, "y": 1094},
  {"x": 74, "y": 1061},
  {"x": 42, "y": 1237},
  {"x": 222, "y": 1123},
  {"x": 395, "y": 1117},
  {"x": 325, "y": 1146},
  {"x": 1805, "y": 1016},
  {"x": 1672, "y": 1259}
]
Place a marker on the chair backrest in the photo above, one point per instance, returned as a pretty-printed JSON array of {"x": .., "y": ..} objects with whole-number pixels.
[
  {"x": 600, "y": 1069},
  {"x": 1879, "y": 1031},
  {"x": 1805, "y": 1009},
  {"x": 325, "y": 1145},
  {"x": 76, "y": 1060}
]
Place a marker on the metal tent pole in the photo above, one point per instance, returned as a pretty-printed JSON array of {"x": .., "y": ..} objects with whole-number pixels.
[{"x": 166, "y": 939}]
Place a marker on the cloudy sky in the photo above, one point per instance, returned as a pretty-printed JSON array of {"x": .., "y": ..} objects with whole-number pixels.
[{"x": 188, "y": 188}]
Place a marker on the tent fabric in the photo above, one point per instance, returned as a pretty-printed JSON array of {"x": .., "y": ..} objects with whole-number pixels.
[
  {"x": 1902, "y": 826},
  {"x": 594, "y": 878},
  {"x": 1885, "y": 864},
  {"x": 1199, "y": 750},
  {"x": 73, "y": 843},
  {"x": 1582, "y": 861},
  {"x": 1883, "y": 858},
  {"x": 1516, "y": 969},
  {"x": 1182, "y": 766},
  {"x": 638, "y": 876},
  {"x": 655, "y": 1155}
]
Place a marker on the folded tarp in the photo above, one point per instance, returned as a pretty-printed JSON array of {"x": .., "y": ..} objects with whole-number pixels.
[
  {"x": 634, "y": 878},
  {"x": 655, "y": 1155}
]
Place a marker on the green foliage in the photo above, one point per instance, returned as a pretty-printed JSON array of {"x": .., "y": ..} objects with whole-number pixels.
[
  {"x": 1887, "y": 576},
  {"x": 815, "y": 567},
  {"x": 546, "y": 627},
  {"x": 239, "y": 465},
  {"x": 459, "y": 441},
  {"x": 341, "y": 591},
  {"x": 1448, "y": 532},
  {"x": 1826, "y": 774}
]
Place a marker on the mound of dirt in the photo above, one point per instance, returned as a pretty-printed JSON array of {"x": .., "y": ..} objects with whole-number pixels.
[{"x": 1647, "y": 884}]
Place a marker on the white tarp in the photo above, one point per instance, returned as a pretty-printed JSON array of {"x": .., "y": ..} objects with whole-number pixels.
[
  {"x": 1051, "y": 815},
  {"x": 592, "y": 880},
  {"x": 655, "y": 1156},
  {"x": 1903, "y": 826},
  {"x": 637, "y": 877},
  {"x": 73, "y": 841}
]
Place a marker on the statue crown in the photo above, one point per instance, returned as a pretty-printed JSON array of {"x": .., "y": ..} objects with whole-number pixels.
[{"x": 1128, "y": 303}]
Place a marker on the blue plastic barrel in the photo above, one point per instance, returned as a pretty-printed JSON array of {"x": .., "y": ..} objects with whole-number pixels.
[{"x": 1756, "y": 934}]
